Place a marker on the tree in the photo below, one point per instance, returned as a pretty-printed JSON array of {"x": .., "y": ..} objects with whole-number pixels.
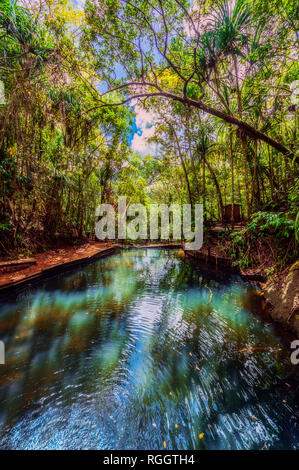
[{"x": 148, "y": 41}]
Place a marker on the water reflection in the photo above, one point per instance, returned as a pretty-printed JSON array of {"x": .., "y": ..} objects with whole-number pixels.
[{"x": 138, "y": 349}]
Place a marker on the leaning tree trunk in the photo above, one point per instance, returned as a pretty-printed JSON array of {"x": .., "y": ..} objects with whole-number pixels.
[{"x": 229, "y": 118}]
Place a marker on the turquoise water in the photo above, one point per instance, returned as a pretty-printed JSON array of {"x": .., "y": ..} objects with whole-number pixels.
[{"x": 142, "y": 350}]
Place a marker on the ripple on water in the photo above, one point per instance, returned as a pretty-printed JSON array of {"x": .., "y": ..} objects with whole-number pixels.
[{"x": 138, "y": 349}]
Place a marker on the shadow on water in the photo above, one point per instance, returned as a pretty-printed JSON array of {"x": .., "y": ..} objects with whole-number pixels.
[{"x": 141, "y": 348}]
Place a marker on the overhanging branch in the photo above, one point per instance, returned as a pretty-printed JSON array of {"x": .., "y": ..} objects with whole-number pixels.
[{"x": 245, "y": 127}]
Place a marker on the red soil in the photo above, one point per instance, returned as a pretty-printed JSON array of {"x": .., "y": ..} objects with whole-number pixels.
[{"x": 52, "y": 258}]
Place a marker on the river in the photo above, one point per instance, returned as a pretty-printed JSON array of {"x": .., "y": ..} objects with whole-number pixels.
[{"x": 144, "y": 350}]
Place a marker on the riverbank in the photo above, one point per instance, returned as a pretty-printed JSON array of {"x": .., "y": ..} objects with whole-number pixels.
[
  {"x": 53, "y": 261},
  {"x": 215, "y": 259},
  {"x": 280, "y": 292},
  {"x": 282, "y": 295},
  {"x": 18, "y": 272}
]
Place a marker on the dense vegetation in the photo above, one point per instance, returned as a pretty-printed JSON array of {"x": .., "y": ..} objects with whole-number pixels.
[{"x": 219, "y": 79}]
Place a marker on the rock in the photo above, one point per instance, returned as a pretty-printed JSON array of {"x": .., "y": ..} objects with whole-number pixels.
[{"x": 282, "y": 292}]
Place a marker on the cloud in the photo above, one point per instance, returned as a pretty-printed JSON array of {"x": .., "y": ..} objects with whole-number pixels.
[
  {"x": 144, "y": 131},
  {"x": 79, "y": 4}
]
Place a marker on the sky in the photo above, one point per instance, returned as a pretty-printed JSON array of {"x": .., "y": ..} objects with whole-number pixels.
[
  {"x": 143, "y": 131},
  {"x": 142, "y": 128}
]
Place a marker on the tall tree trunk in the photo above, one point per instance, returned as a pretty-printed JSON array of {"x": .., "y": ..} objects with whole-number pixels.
[
  {"x": 243, "y": 138},
  {"x": 270, "y": 173},
  {"x": 184, "y": 167},
  {"x": 244, "y": 150},
  {"x": 187, "y": 180},
  {"x": 204, "y": 186},
  {"x": 240, "y": 194},
  {"x": 218, "y": 192},
  {"x": 254, "y": 190},
  {"x": 232, "y": 174}
]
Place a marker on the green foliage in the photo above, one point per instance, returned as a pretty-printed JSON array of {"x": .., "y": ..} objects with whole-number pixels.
[
  {"x": 64, "y": 146},
  {"x": 274, "y": 230},
  {"x": 278, "y": 224}
]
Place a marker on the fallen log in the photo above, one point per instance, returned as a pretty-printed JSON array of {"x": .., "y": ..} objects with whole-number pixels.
[{"x": 18, "y": 262}]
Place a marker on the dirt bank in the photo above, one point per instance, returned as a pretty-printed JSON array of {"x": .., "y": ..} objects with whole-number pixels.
[{"x": 50, "y": 261}]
